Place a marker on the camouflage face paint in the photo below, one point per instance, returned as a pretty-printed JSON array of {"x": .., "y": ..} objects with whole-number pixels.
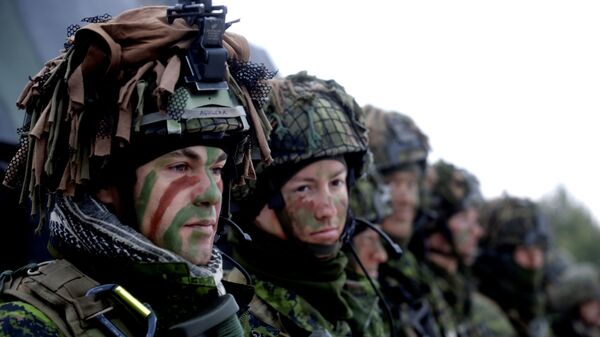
[
  {"x": 172, "y": 238},
  {"x": 212, "y": 194},
  {"x": 316, "y": 202},
  {"x": 167, "y": 198},
  {"x": 179, "y": 200},
  {"x": 303, "y": 211},
  {"x": 215, "y": 191},
  {"x": 144, "y": 196}
]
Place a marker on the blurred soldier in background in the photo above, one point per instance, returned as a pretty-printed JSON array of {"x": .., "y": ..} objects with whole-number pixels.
[
  {"x": 298, "y": 214},
  {"x": 557, "y": 263},
  {"x": 369, "y": 203},
  {"x": 130, "y": 138},
  {"x": 576, "y": 298},
  {"x": 447, "y": 246},
  {"x": 511, "y": 262},
  {"x": 400, "y": 152}
]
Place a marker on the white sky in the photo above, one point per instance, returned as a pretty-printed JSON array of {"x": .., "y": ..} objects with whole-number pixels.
[{"x": 509, "y": 90}]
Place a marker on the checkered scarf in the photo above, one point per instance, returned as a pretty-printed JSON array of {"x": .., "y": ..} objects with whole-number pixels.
[{"x": 87, "y": 228}]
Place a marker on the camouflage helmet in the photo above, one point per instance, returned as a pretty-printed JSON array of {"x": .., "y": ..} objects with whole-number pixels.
[
  {"x": 395, "y": 140},
  {"x": 578, "y": 284},
  {"x": 313, "y": 118},
  {"x": 511, "y": 221},
  {"x": 120, "y": 93},
  {"x": 370, "y": 197},
  {"x": 449, "y": 189},
  {"x": 310, "y": 119}
]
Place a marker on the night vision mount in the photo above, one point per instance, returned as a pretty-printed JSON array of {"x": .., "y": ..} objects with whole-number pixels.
[{"x": 206, "y": 58}]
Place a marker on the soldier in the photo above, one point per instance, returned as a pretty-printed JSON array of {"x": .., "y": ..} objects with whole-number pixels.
[
  {"x": 576, "y": 297},
  {"x": 400, "y": 152},
  {"x": 510, "y": 265},
  {"x": 298, "y": 214},
  {"x": 131, "y": 136},
  {"x": 447, "y": 246},
  {"x": 370, "y": 203}
]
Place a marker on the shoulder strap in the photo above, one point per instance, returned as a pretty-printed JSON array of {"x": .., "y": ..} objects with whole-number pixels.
[{"x": 57, "y": 288}]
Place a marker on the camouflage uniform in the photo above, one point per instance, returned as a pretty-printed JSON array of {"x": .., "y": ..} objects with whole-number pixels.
[
  {"x": 489, "y": 317},
  {"x": 509, "y": 223},
  {"x": 418, "y": 303},
  {"x": 398, "y": 145},
  {"x": 578, "y": 285},
  {"x": 364, "y": 302},
  {"x": 77, "y": 142},
  {"x": 369, "y": 200},
  {"x": 298, "y": 293},
  {"x": 451, "y": 190}
]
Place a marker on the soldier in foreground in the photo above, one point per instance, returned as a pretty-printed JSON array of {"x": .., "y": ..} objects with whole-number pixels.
[{"x": 130, "y": 150}]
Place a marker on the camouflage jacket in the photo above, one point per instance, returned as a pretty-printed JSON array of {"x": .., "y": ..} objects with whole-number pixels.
[
  {"x": 489, "y": 317},
  {"x": 18, "y": 318},
  {"x": 472, "y": 314},
  {"x": 276, "y": 311},
  {"x": 455, "y": 292},
  {"x": 167, "y": 288},
  {"x": 364, "y": 302},
  {"x": 407, "y": 291}
]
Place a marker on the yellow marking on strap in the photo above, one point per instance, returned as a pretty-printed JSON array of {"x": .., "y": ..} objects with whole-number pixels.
[{"x": 132, "y": 301}]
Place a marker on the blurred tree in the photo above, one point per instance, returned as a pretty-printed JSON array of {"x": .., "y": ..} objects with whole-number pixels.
[{"x": 575, "y": 230}]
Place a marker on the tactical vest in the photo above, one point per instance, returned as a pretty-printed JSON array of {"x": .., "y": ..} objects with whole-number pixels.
[
  {"x": 62, "y": 292},
  {"x": 58, "y": 289}
]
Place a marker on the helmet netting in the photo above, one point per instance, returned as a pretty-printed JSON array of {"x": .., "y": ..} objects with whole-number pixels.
[
  {"x": 67, "y": 126},
  {"x": 512, "y": 221},
  {"x": 394, "y": 139},
  {"x": 313, "y": 118},
  {"x": 252, "y": 76}
]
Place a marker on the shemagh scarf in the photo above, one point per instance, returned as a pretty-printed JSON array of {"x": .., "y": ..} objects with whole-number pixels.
[{"x": 89, "y": 229}]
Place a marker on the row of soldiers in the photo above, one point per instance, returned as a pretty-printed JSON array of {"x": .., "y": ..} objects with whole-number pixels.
[
  {"x": 470, "y": 267},
  {"x": 188, "y": 192}
]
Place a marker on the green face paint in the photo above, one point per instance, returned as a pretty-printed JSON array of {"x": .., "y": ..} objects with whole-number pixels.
[
  {"x": 316, "y": 202},
  {"x": 172, "y": 238},
  {"x": 305, "y": 215},
  {"x": 179, "y": 200},
  {"x": 215, "y": 189},
  {"x": 144, "y": 196}
]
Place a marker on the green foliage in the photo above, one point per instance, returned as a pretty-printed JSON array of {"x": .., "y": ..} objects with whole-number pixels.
[{"x": 575, "y": 230}]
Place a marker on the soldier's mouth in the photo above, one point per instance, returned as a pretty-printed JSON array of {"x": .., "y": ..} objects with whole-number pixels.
[{"x": 326, "y": 235}]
